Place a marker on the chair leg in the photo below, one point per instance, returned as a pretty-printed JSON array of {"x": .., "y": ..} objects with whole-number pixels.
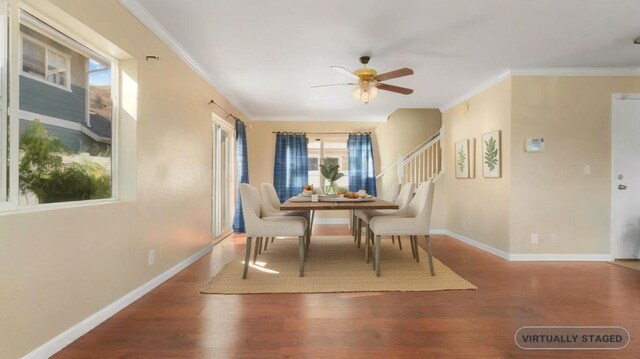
[
  {"x": 393, "y": 239},
  {"x": 427, "y": 240},
  {"x": 367, "y": 243},
  {"x": 266, "y": 241},
  {"x": 359, "y": 235},
  {"x": 415, "y": 245},
  {"x": 301, "y": 250},
  {"x": 307, "y": 241},
  {"x": 247, "y": 255},
  {"x": 413, "y": 249},
  {"x": 257, "y": 248},
  {"x": 272, "y": 238},
  {"x": 260, "y": 246},
  {"x": 399, "y": 243},
  {"x": 377, "y": 259}
]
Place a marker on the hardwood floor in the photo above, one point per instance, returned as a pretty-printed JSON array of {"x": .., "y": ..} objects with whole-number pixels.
[{"x": 176, "y": 321}]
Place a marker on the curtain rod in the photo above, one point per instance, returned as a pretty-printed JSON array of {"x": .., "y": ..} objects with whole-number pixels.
[
  {"x": 324, "y": 133},
  {"x": 229, "y": 114}
]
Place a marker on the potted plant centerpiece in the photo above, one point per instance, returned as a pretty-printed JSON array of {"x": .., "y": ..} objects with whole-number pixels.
[{"x": 330, "y": 172}]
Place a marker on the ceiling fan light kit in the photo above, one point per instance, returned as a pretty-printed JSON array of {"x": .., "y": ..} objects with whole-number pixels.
[{"x": 369, "y": 82}]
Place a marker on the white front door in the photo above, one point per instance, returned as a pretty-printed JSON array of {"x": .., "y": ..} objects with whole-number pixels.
[
  {"x": 625, "y": 170},
  {"x": 223, "y": 174}
]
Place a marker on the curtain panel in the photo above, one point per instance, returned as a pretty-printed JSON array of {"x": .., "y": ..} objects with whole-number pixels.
[
  {"x": 362, "y": 174},
  {"x": 242, "y": 172},
  {"x": 291, "y": 165}
]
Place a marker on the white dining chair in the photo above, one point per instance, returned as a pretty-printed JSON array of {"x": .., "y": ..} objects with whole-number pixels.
[
  {"x": 390, "y": 196},
  {"x": 259, "y": 227},
  {"x": 417, "y": 222},
  {"x": 270, "y": 207},
  {"x": 364, "y": 216}
]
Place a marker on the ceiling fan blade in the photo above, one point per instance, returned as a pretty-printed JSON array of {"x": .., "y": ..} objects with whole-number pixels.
[
  {"x": 345, "y": 72},
  {"x": 341, "y": 84},
  {"x": 398, "y": 89},
  {"x": 394, "y": 74}
]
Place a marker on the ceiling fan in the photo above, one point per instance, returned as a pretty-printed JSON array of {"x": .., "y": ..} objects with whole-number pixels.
[{"x": 369, "y": 82}]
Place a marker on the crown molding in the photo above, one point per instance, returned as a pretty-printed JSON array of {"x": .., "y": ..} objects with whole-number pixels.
[
  {"x": 476, "y": 90},
  {"x": 540, "y": 71},
  {"x": 575, "y": 71},
  {"x": 151, "y": 23},
  {"x": 314, "y": 119}
]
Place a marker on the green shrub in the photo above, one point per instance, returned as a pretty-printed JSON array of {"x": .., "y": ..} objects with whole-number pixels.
[{"x": 43, "y": 172}]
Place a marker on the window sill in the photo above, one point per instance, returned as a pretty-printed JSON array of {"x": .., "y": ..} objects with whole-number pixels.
[{"x": 35, "y": 208}]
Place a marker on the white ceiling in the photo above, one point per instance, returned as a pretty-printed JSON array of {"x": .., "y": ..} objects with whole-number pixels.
[{"x": 263, "y": 56}]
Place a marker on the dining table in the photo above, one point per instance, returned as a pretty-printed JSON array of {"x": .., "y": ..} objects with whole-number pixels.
[{"x": 329, "y": 203}]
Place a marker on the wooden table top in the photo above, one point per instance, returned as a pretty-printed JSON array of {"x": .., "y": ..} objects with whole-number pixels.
[{"x": 316, "y": 206}]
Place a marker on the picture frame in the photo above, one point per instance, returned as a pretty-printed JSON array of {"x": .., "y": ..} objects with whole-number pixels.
[
  {"x": 491, "y": 155},
  {"x": 461, "y": 151},
  {"x": 472, "y": 158}
]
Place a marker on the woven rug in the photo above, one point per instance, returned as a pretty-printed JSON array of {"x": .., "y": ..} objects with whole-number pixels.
[
  {"x": 628, "y": 263},
  {"x": 333, "y": 264}
]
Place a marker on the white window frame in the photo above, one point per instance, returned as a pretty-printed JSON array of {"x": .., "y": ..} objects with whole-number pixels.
[
  {"x": 47, "y": 49},
  {"x": 12, "y": 77}
]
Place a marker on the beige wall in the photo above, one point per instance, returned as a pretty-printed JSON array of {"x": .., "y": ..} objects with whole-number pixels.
[
  {"x": 59, "y": 266},
  {"x": 479, "y": 208},
  {"x": 550, "y": 192},
  {"x": 545, "y": 193}
]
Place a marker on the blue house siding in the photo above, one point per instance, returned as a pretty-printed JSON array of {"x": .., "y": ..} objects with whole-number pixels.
[
  {"x": 44, "y": 99},
  {"x": 72, "y": 139}
]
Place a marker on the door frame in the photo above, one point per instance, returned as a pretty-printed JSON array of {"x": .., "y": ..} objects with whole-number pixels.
[
  {"x": 217, "y": 120},
  {"x": 612, "y": 178}
]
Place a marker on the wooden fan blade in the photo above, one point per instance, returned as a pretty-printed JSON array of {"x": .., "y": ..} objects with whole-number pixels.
[
  {"x": 394, "y": 74},
  {"x": 342, "y": 84},
  {"x": 345, "y": 72},
  {"x": 398, "y": 89}
]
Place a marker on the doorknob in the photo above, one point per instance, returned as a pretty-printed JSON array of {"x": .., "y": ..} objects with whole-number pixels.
[{"x": 622, "y": 187}]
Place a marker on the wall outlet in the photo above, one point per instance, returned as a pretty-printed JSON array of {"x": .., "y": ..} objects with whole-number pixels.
[
  {"x": 535, "y": 238},
  {"x": 553, "y": 238},
  {"x": 151, "y": 257}
]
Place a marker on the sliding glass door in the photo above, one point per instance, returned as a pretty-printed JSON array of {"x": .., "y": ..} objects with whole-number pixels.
[{"x": 223, "y": 200}]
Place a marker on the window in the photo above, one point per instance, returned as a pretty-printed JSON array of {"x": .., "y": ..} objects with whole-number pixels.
[
  {"x": 59, "y": 144},
  {"x": 329, "y": 150},
  {"x": 44, "y": 63}
]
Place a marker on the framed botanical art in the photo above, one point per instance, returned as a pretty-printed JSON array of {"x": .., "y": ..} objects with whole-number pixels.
[
  {"x": 462, "y": 159},
  {"x": 472, "y": 158},
  {"x": 491, "y": 155}
]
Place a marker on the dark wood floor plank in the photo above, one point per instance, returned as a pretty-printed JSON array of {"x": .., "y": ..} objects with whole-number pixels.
[{"x": 176, "y": 321}]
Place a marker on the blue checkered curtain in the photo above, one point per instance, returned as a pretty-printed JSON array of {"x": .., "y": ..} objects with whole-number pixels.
[
  {"x": 291, "y": 165},
  {"x": 242, "y": 172},
  {"x": 362, "y": 174}
]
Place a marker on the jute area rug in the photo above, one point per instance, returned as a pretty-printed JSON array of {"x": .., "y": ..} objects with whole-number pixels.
[
  {"x": 628, "y": 263},
  {"x": 333, "y": 264}
]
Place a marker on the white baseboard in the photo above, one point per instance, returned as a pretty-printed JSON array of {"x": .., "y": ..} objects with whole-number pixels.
[
  {"x": 522, "y": 257},
  {"x": 70, "y": 335},
  {"x": 331, "y": 221},
  {"x": 485, "y": 247},
  {"x": 438, "y": 231},
  {"x": 516, "y": 257}
]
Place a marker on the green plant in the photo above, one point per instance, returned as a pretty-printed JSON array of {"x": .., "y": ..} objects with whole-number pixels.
[
  {"x": 462, "y": 157},
  {"x": 43, "y": 172},
  {"x": 331, "y": 172},
  {"x": 491, "y": 153}
]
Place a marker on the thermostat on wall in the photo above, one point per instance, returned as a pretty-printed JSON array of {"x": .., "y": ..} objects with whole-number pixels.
[{"x": 534, "y": 145}]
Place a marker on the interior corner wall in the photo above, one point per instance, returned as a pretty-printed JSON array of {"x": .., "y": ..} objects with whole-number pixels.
[
  {"x": 479, "y": 208},
  {"x": 59, "y": 266},
  {"x": 405, "y": 129},
  {"x": 551, "y": 194}
]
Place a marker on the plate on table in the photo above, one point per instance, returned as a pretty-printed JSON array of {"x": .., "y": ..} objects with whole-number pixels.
[
  {"x": 345, "y": 199},
  {"x": 300, "y": 198}
]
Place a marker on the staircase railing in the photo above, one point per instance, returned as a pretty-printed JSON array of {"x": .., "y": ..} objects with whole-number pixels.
[{"x": 422, "y": 163}]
